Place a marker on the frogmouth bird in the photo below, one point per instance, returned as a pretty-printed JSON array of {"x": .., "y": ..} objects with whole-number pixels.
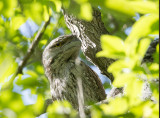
[{"x": 59, "y": 60}]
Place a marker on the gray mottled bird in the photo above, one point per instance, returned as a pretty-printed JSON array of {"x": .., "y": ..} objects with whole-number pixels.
[{"x": 59, "y": 60}]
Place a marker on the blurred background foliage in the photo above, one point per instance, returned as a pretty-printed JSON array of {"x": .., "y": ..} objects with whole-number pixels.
[{"x": 126, "y": 20}]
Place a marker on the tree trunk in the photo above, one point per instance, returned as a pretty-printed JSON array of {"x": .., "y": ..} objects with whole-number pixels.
[{"x": 89, "y": 33}]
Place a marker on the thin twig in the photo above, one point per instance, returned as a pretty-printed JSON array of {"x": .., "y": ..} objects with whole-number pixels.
[
  {"x": 32, "y": 47},
  {"x": 88, "y": 108},
  {"x": 28, "y": 55}
]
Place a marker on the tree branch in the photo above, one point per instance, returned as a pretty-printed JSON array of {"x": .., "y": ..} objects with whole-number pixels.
[
  {"x": 88, "y": 108},
  {"x": 32, "y": 47},
  {"x": 27, "y": 56}
]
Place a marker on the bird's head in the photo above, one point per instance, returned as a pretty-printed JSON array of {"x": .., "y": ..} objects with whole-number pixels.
[{"x": 63, "y": 48}]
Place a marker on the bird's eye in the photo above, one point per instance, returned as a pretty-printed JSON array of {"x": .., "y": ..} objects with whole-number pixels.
[{"x": 58, "y": 44}]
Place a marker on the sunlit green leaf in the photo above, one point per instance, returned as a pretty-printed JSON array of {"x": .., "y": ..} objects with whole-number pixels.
[
  {"x": 123, "y": 79},
  {"x": 35, "y": 8},
  {"x": 122, "y": 66},
  {"x": 28, "y": 81},
  {"x": 143, "y": 46},
  {"x": 58, "y": 4},
  {"x": 32, "y": 73},
  {"x": 116, "y": 107},
  {"x": 45, "y": 13},
  {"x": 110, "y": 49},
  {"x": 12, "y": 101},
  {"x": 86, "y": 11},
  {"x": 144, "y": 7},
  {"x": 156, "y": 55},
  {"x": 96, "y": 113},
  {"x": 142, "y": 109},
  {"x": 155, "y": 89},
  {"x": 40, "y": 69},
  {"x": 154, "y": 66},
  {"x": 143, "y": 27},
  {"x": 39, "y": 105},
  {"x": 121, "y": 6},
  {"x": 5, "y": 96},
  {"x": 17, "y": 105},
  {"x": 81, "y": 1},
  {"x": 1, "y": 5},
  {"x": 7, "y": 67},
  {"x": 155, "y": 112},
  {"x": 152, "y": 71},
  {"x": 26, "y": 114},
  {"x": 60, "y": 109},
  {"x": 17, "y": 21},
  {"x": 7, "y": 7},
  {"x": 134, "y": 91}
]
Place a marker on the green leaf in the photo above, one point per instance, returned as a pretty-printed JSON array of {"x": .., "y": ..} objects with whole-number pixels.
[
  {"x": 7, "y": 7},
  {"x": 17, "y": 21},
  {"x": 143, "y": 27},
  {"x": 107, "y": 85},
  {"x": 40, "y": 69},
  {"x": 39, "y": 105},
  {"x": 143, "y": 46},
  {"x": 12, "y": 101},
  {"x": 7, "y": 67},
  {"x": 96, "y": 112},
  {"x": 17, "y": 105},
  {"x": 86, "y": 11},
  {"x": 155, "y": 89},
  {"x": 1, "y": 5},
  {"x": 123, "y": 65},
  {"x": 28, "y": 80},
  {"x": 6, "y": 97},
  {"x": 31, "y": 73},
  {"x": 157, "y": 48},
  {"x": 58, "y": 5},
  {"x": 140, "y": 110},
  {"x": 134, "y": 91},
  {"x": 144, "y": 7},
  {"x": 35, "y": 11},
  {"x": 120, "y": 6},
  {"x": 123, "y": 79},
  {"x": 109, "y": 47},
  {"x": 156, "y": 54},
  {"x": 115, "y": 107},
  {"x": 81, "y": 1},
  {"x": 155, "y": 112},
  {"x": 45, "y": 13},
  {"x": 60, "y": 109}
]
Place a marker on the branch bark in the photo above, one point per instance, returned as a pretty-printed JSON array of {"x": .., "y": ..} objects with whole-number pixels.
[
  {"x": 32, "y": 47},
  {"x": 89, "y": 33}
]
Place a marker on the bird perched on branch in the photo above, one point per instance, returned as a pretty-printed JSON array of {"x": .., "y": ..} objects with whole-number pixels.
[{"x": 59, "y": 60}]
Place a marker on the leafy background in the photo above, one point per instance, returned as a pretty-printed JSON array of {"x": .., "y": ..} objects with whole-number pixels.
[{"x": 23, "y": 95}]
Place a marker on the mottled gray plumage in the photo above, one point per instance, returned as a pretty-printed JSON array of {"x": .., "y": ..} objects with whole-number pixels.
[{"x": 62, "y": 72}]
